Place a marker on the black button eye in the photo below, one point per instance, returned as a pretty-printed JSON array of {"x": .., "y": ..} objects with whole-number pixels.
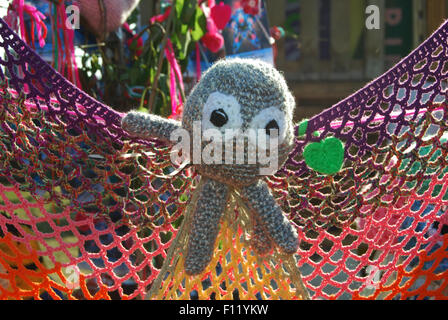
[
  {"x": 273, "y": 125},
  {"x": 219, "y": 118}
]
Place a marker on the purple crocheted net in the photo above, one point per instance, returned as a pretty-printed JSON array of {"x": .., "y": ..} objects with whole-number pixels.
[
  {"x": 375, "y": 90},
  {"x": 55, "y": 86}
]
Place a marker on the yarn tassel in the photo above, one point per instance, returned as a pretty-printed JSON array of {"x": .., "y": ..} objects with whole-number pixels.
[
  {"x": 198, "y": 62},
  {"x": 176, "y": 99}
]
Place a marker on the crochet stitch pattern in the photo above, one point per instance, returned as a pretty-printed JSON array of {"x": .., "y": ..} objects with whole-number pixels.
[{"x": 77, "y": 190}]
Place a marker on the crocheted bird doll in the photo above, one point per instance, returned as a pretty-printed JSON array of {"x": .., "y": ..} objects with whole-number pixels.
[{"x": 234, "y": 96}]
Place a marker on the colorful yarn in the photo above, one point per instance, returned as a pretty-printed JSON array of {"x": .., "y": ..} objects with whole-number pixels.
[
  {"x": 37, "y": 18},
  {"x": 175, "y": 71},
  {"x": 375, "y": 230}
]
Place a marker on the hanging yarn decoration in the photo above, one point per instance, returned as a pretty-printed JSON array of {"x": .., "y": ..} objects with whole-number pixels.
[
  {"x": 64, "y": 44},
  {"x": 217, "y": 19},
  {"x": 63, "y": 35},
  {"x": 276, "y": 33},
  {"x": 103, "y": 16},
  {"x": 252, "y": 7},
  {"x": 19, "y": 8},
  {"x": 161, "y": 17},
  {"x": 135, "y": 39},
  {"x": 244, "y": 26},
  {"x": 221, "y": 14},
  {"x": 175, "y": 72},
  {"x": 77, "y": 192},
  {"x": 325, "y": 157}
]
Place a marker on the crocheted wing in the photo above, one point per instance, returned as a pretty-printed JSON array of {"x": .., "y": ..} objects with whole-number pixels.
[
  {"x": 68, "y": 171},
  {"x": 367, "y": 185},
  {"x": 393, "y": 150}
]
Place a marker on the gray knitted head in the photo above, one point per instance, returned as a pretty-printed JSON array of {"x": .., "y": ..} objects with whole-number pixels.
[{"x": 252, "y": 94}]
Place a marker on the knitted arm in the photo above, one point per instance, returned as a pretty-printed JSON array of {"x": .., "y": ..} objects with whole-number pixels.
[
  {"x": 209, "y": 209},
  {"x": 146, "y": 126},
  {"x": 279, "y": 228}
]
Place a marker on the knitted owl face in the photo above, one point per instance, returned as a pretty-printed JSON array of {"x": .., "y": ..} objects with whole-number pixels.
[{"x": 243, "y": 100}]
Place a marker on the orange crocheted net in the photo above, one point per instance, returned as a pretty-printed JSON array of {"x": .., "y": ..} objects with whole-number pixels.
[
  {"x": 241, "y": 270},
  {"x": 24, "y": 276},
  {"x": 420, "y": 282}
]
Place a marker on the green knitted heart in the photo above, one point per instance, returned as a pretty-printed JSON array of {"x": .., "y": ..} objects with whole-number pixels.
[{"x": 325, "y": 157}]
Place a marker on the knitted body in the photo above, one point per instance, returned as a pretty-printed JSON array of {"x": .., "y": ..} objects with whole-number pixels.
[
  {"x": 205, "y": 225},
  {"x": 237, "y": 96}
]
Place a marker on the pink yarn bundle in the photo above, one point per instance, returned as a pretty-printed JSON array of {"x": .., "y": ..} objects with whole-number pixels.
[{"x": 115, "y": 11}]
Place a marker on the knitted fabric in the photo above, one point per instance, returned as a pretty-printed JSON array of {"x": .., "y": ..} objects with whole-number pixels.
[
  {"x": 115, "y": 12},
  {"x": 204, "y": 228},
  {"x": 271, "y": 216},
  {"x": 222, "y": 112},
  {"x": 256, "y": 86},
  {"x": 88, "y": 195},
  {"x": 143, "y": 126}
]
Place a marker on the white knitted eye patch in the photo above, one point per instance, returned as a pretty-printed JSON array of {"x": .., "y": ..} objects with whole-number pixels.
[
  {"x": 230, "y": 106},
  {"x": 264, "y": 117}
]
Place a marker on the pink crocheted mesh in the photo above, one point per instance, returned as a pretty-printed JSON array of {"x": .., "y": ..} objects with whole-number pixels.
[{"x": 77, "y": 193}]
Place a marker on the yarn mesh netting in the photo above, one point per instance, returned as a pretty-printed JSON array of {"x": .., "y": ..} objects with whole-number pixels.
[{"x": 87, "y": 212}]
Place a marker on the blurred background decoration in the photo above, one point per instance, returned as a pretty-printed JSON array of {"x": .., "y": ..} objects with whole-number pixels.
[
  {"x": 141, "y": 54},
  {"x": 335, "y": 54}
]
